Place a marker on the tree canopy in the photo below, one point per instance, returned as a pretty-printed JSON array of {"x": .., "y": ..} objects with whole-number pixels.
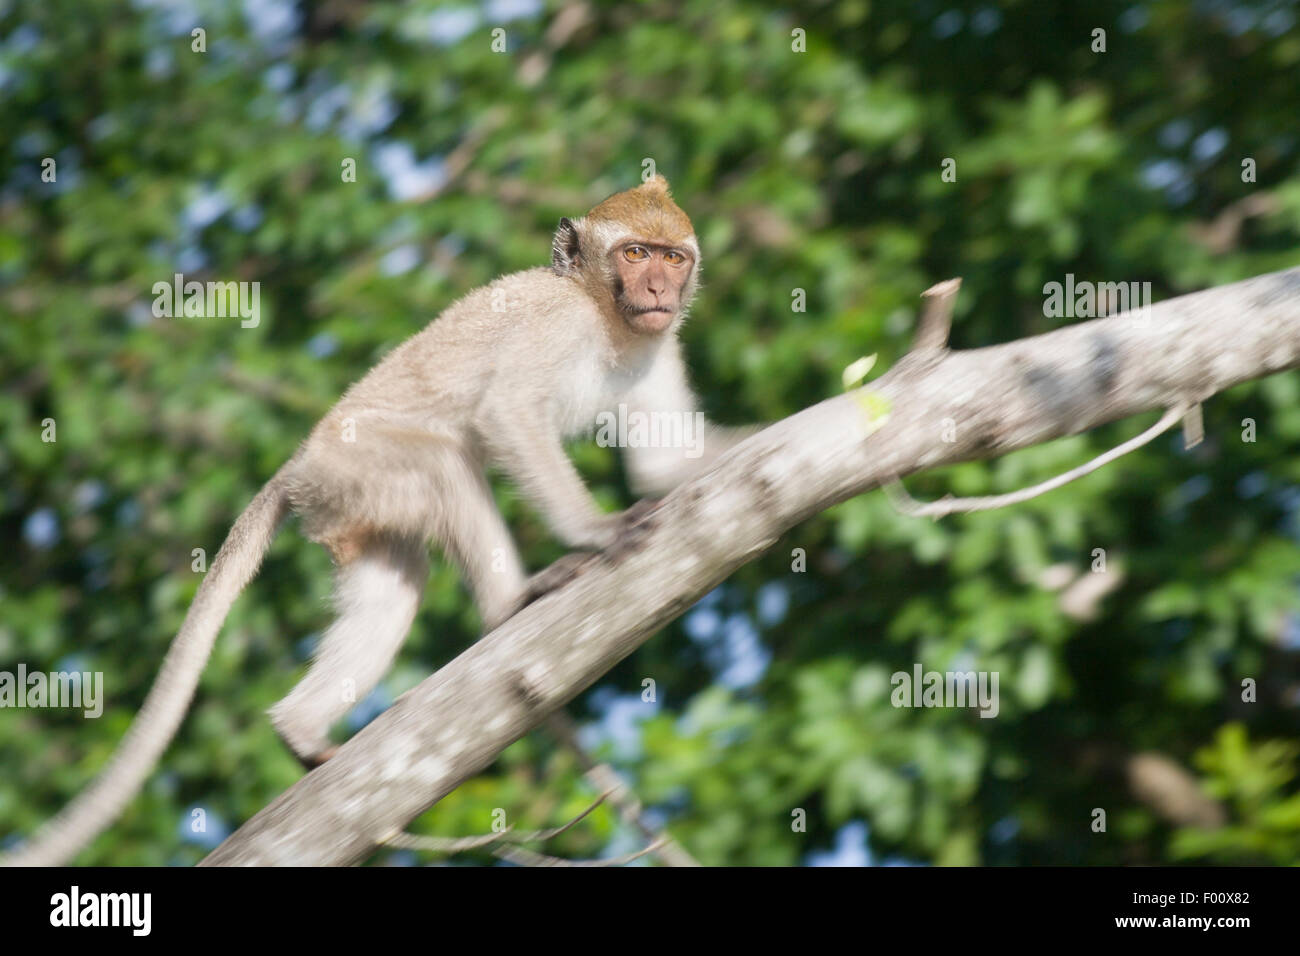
[{"x": 809, "y": 145}]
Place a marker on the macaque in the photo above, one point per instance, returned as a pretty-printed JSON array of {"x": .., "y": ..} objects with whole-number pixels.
[{"x": 502, "y": 377}]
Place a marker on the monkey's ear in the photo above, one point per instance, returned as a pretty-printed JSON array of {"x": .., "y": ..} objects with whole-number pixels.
[{"x": 565, "y": 248}]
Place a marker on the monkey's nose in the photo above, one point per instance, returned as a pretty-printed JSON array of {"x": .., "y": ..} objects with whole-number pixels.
[{"x": 656, "y": 282}]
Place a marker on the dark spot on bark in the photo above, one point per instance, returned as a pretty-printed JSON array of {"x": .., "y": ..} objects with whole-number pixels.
[
  {"x": 1278, "y": 289},
  {"x": 1105, "y": 361},
  {"x": 525, "y": 690},
  {"x": 1067, "y": 395},
  {"x": 986, "y": 442},
  {"x": 1046, "y": 387}
]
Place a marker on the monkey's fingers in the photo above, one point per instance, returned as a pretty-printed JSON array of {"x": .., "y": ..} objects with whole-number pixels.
[
  {"x": 560, "y": 573},
  {"x": 634, "y": 525},
  {"x": 640, "y": 512},
  {"x": 312, "y": 761}
]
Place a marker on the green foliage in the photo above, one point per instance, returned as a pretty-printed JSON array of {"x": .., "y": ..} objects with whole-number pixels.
[
  {"x": 1258, "y": 783},
  {"x": 817, "y": 171}
]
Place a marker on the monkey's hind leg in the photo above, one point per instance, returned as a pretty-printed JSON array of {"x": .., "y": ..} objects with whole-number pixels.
[
  {"x": 475, "y": 537},
  {"x": 377, "y": 591}
]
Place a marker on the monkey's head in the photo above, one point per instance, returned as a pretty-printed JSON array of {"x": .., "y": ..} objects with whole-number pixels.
[{"x": 636, "y": 252}]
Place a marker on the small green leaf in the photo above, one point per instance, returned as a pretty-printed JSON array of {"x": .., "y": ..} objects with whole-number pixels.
[
  {"x": 875, "y": 408},
  {"x": 858, "y": 370}
]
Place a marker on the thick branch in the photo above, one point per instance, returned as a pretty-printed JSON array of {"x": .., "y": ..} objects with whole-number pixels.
[{"x": 991, "y": 400}]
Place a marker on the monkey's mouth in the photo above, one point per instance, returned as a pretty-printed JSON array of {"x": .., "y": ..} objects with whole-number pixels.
[
  {"x": 632, "y": 309},
  {"x": 649, "y": 318},
  {"x": 634, "y": 312}
]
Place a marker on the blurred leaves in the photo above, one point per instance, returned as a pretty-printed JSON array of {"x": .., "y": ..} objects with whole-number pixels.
[
  {"x": 817, "y": 171},
  {"x": 1258, "y": 782}
]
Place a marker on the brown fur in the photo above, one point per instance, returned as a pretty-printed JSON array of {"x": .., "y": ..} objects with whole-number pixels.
[
  {"x": 648, "y": 212},
  {"x": 346, "y": 547}
]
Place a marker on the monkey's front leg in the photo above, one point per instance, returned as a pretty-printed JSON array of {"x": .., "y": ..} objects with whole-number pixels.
[
  {"x": 532, "y": 454},
  {"x": 636, "y": 521}
]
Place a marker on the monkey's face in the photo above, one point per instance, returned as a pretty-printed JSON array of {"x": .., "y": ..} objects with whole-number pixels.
[
  {"x": 638, "y": 248},
  {"x": 652, "y": 283}
]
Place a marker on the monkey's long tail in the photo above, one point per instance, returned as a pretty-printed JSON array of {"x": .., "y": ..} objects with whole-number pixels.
[{"x": 156, "y": 723}]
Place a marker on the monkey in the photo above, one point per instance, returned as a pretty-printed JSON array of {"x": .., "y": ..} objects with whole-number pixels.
[{"x": 501, "y": 378}]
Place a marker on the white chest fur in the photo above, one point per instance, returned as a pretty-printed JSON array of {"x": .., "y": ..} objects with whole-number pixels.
[{"x": 595, "y": 386}]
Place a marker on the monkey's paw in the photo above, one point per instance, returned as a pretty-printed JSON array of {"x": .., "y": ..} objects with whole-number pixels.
[
  {"x": 313, "y": 761},
  {"x": 634, "y": 525},
  {"x": 558, "y": 574}
]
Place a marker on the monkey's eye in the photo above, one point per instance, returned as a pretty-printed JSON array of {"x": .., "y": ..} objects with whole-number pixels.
[
  {"x": 636, "y": 253},
  {"x": 673, "y": 257}
]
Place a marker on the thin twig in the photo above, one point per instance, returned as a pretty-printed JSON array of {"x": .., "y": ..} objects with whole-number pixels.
[
  {"x": 603, "y": 776},
  {"x": 1193, "y": 426},
  {"x": 908, "y": 505},
  {"x": 516, "y": 854},
  {"x": 936, "y": 315},
  {"x": 434, "y": 844}
]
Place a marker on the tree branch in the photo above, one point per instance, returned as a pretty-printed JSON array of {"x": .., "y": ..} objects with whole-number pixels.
[{"x": 989, "y": 401}]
